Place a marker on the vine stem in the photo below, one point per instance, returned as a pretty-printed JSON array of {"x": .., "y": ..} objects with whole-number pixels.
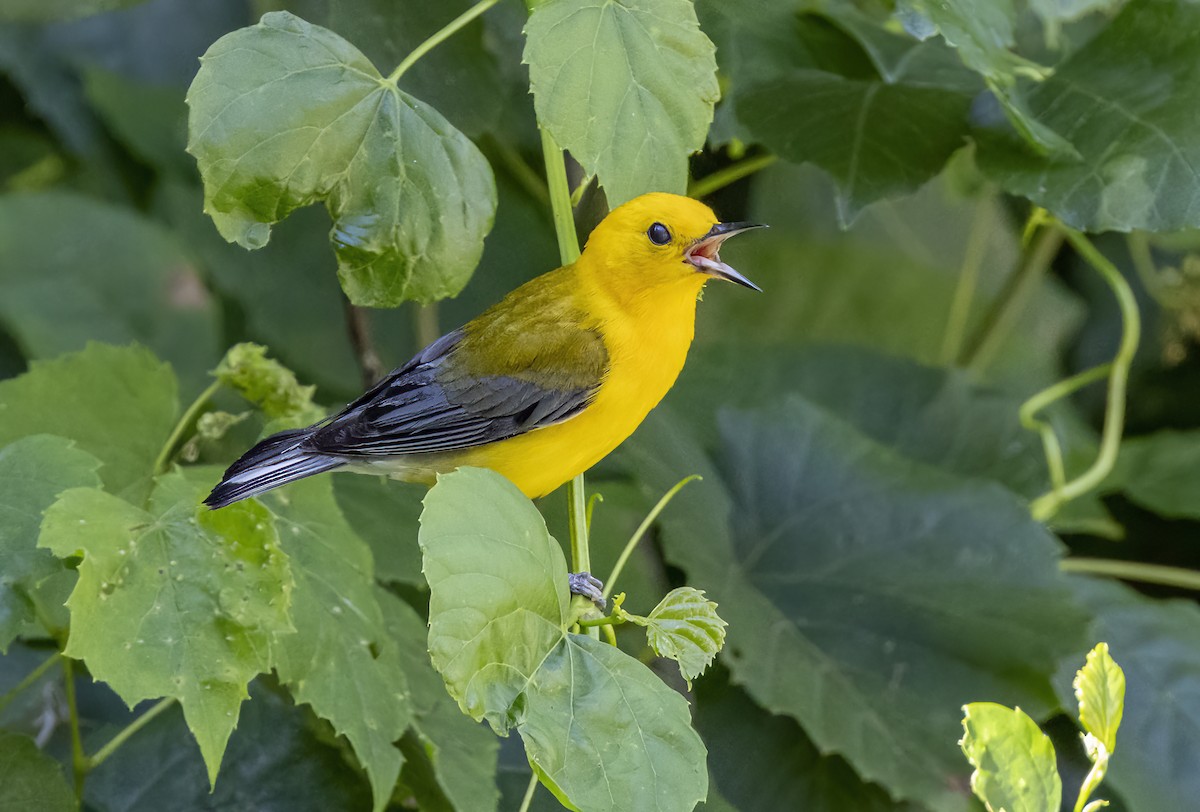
[
  {"x": 1090, "y": 782},
  {"x": 731, "y": 174},
  {"x": 426, "y": 327},
  {"x": 1133, "y": 571},
  {"x": 568, "y": 251},
  {"x": 447, "y": 31},
  {"x": 370, "y": 366},
  {"x": 79, "y": 762},
  {"x": 30, "y": 678},
  {"x": 133, "y": 727},
  {"x": 528, "y": 799},
  {"x": 611, "y": 581},
  {"x": 1045, "y": 506},
  {"x": 968, "y": 280},
  {"x": 189, "y": 417}
]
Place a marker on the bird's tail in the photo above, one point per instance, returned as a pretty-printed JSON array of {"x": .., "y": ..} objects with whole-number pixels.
[{"x": 277, "y": 460}]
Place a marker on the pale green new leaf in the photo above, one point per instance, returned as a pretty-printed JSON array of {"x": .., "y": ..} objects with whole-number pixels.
[
  {"x": 1125, "y": 100},
  {"x": 284, "y": 114},
  {"x": 341, "y": 660},
  {"x": 685, "y": 627},
  {"x": 119, "y": 404},
  {"x": 643, "y": 66},
  {"x": 174, "y": 600},
  {"x": 1015, "y": 770},
  {"x": 33, "y": 472},
  {"x": 267, "y": 384},
  {"x": 30, "y": 780},
  {"x": 1100, "y": 689},
  {"x": 498, "y": 613}
]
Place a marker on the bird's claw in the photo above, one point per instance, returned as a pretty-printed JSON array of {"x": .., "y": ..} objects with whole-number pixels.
[{"x": 590, "y": 587}]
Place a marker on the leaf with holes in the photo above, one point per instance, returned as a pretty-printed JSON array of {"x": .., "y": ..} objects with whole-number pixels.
[
  {"x": 284, "y": 114},
  {"x": 645, "y": 67},
  {"x": 685, "y": 627},
  {"x": 174, "y": 600}
]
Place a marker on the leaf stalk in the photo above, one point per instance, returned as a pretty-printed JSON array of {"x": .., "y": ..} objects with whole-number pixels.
[
  {"x": 438, "y": 37},
  {"x": 610, "y": 582},
  {"x": 1133, "y": 571},
  {"x": 731, "y": 174},
  {"x": 163, "y": 460},
  {"x": 133, "y": 727}
]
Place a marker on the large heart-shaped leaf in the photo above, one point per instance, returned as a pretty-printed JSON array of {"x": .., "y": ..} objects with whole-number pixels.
[
  {"x": 643, "y": 65},
  {"x": 601, "y": 730},
  {"x": 284, "y": 114}
]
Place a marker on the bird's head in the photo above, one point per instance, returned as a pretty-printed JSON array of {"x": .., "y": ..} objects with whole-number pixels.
[{"x": 663, "y": 239}]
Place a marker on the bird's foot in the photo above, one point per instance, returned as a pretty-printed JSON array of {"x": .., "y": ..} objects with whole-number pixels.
[{"x": 583, "y": 583}]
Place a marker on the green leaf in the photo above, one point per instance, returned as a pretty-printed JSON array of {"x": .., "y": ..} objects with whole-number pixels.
[
  {"x": 117, "y": 403},
  {"x": 30, "y": 780},
  {"x": 983, "y": 32},
  {"x": 1138, "y": 147},
  {"x": 33, "y": 472},
  {"x": 284, "y": 114},
  {"x": 1158, "y": 643},
  {"x": 1015, "y": 770},
  {"x": 174, "y": 600},
  {"x": 450, "y": 761},
  {"x": 498, "y": 636},
  {"x": 276, "y": 762},
  {"x": 111, "y": 276},
  {"x": 855, "y": 579},
  {"x": 341, "y": 660},
  {"x": 385, "y": 513},
  {"x": 1100, "y": 691},
  {"x": 643, "y": 65},
  {"x": 1161, "y": 472},
  {"x": 839, "y": 125},
  {"x": 762, "y": 762},
  {"x": 685, "y": 627},
  {"x": 267, "y": 384},
  {"x": 38, "y": 11}
]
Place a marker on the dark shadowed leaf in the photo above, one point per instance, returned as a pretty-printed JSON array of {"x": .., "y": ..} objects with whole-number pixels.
[
  {"x": 37, "y": 11},
  {"x": 1157, "y": 644},
  {"x": 30, "y": 780},
  {"x": 284, "y": 114},
  {"x": 644, "y": 65},
  {"x": 384, "y": 514},
  {"x": 1122, "y": 101},
  {"x": 1161, "y": 472},
  {"x": 854, "y": 579}
]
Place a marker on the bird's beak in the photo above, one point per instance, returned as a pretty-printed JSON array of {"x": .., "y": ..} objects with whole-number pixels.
[{"x": 706, "y": 259}]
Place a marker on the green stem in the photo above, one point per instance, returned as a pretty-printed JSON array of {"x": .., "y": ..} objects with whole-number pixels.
[
  {"x": 611, "y": 581},
  {"x": 79, "y": 762},
  {"x": 427, "y": 330},
  {"x": 998, "y": 321},
  {"x": 168, "y": 450},
  {"x": 1133, "y": 571},
  {"x": 1091, "y": 781},
  {"x": 968, "y": 281},
  {"x": 528, "y": 799},
  {"x": 30, "y": 678},
  {"x": 1045, "y": 506},
  {"x": 518, "y": 168},
  {"x": 1143, "y": 263},
  {"x": 133, "y": 727},
  {"x": 447, "y": 31},
  {"x": 568, "y": 251},
  {"x": 731, "y": 174},
  {"x": 577, "y": 195},
  {"x": 1030, "y": 408},
  {"x": 607, "y": 620}
]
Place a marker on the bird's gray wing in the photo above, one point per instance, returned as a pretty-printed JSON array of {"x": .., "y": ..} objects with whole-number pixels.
[{"x": 436, "y": 402}]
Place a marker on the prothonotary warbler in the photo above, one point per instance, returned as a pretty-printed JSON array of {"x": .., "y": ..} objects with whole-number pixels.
[{"x": 540, "y": 387}]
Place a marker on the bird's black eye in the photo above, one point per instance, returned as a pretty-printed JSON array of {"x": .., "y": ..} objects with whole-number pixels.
[{"x": 659, "y": 234}]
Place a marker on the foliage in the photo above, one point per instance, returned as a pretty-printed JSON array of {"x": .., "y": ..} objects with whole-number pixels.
[{"x": 911, "y": 476}]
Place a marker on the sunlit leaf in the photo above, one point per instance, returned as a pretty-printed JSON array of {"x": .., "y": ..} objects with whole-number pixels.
[
  {"x": 1100, "y": 690},
  {"x": 30, "y": 780},
  {"x": 267, "y": 384},
  {"x": 117, "y": 403},
  {"x": 1015, "y": 770},
  {"x": 643, "y": 65},
  {"x": 498, "y": 636},
  {"x": 1120, "y": 100},
  {"x": 284, "y": 114},
  {"x": 173, "y": 600},
  {"x": 33, "y": 472},
  {"x": 685, "y": 627},
  {"x": 855, "y": 579},
  {"x": 342, "y": 661}
]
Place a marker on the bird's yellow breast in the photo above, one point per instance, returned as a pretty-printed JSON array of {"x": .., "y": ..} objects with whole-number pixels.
[{"x": 647, "y": 337}]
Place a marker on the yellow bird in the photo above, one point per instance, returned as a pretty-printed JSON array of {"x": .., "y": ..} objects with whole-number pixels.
[{"x": 540, "y": 387}]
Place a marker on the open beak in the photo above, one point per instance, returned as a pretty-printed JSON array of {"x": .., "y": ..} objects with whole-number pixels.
[{"x": 706, "y": 259}]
